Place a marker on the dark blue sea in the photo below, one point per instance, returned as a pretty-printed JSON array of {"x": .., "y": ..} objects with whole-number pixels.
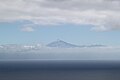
[{"x": 59, "y": 70}]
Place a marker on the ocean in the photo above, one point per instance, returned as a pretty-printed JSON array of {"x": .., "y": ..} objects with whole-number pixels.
[{"x": 59, "y": 70}]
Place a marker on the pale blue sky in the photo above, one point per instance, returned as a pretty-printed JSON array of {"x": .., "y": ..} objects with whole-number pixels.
[
  {"x": 11, "y": 33},
  {"x": 21, "y": 21}
]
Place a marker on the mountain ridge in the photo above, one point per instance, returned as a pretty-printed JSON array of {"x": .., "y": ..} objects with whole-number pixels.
[
  {"x": 54, "y": 44},
  {"x": 61, "y": 44}
]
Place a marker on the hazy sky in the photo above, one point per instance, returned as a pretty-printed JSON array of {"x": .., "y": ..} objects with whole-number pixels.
[{"x": 74, "y": 21}]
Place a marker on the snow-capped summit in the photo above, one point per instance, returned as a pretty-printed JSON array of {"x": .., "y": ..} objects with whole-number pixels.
[{"x": 61, "y": 44}]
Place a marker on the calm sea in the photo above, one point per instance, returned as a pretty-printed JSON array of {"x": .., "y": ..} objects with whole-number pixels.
[{"x": 59, "y": 70}]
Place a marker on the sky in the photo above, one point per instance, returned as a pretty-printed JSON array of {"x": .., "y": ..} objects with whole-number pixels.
[{"x": 81, "y": 22}]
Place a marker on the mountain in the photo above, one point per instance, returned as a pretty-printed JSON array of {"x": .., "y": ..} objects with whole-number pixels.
[
  {"x": 96, "y": 45},
  {"x": 61, "y": 44},
  {"x": 55, "y": 44}
]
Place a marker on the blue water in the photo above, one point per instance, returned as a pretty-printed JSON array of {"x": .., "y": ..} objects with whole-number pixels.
[{"x": 59, "y": 70}]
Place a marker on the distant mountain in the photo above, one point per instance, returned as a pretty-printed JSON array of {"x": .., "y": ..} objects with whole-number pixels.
[
  {"x": 61, "y": 44},
  {"x": 57, "y": 44},
  {"x": 96, "y": 46}
]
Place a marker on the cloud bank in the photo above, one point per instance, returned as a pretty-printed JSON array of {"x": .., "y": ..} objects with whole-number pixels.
[
  {"x": 103, "y": 53},
  {"x": 103, "y": 14},
  {"x": 27, "y": 28}
]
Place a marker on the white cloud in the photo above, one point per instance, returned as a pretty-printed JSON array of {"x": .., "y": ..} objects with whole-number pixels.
[
  {"x": 27, "y": 29},
  {"x": 103, "y": 14},
  {"x": 96, "y": 53}
]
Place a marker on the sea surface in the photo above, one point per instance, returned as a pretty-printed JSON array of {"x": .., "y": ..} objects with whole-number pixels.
[{"x": 59, "y": 70}]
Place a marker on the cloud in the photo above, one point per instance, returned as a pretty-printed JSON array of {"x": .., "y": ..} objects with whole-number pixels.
[
  {"x": 27, "y": 28},
  {"x": 96, "y": 53},
  {"x": 103, "y": 14}
]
